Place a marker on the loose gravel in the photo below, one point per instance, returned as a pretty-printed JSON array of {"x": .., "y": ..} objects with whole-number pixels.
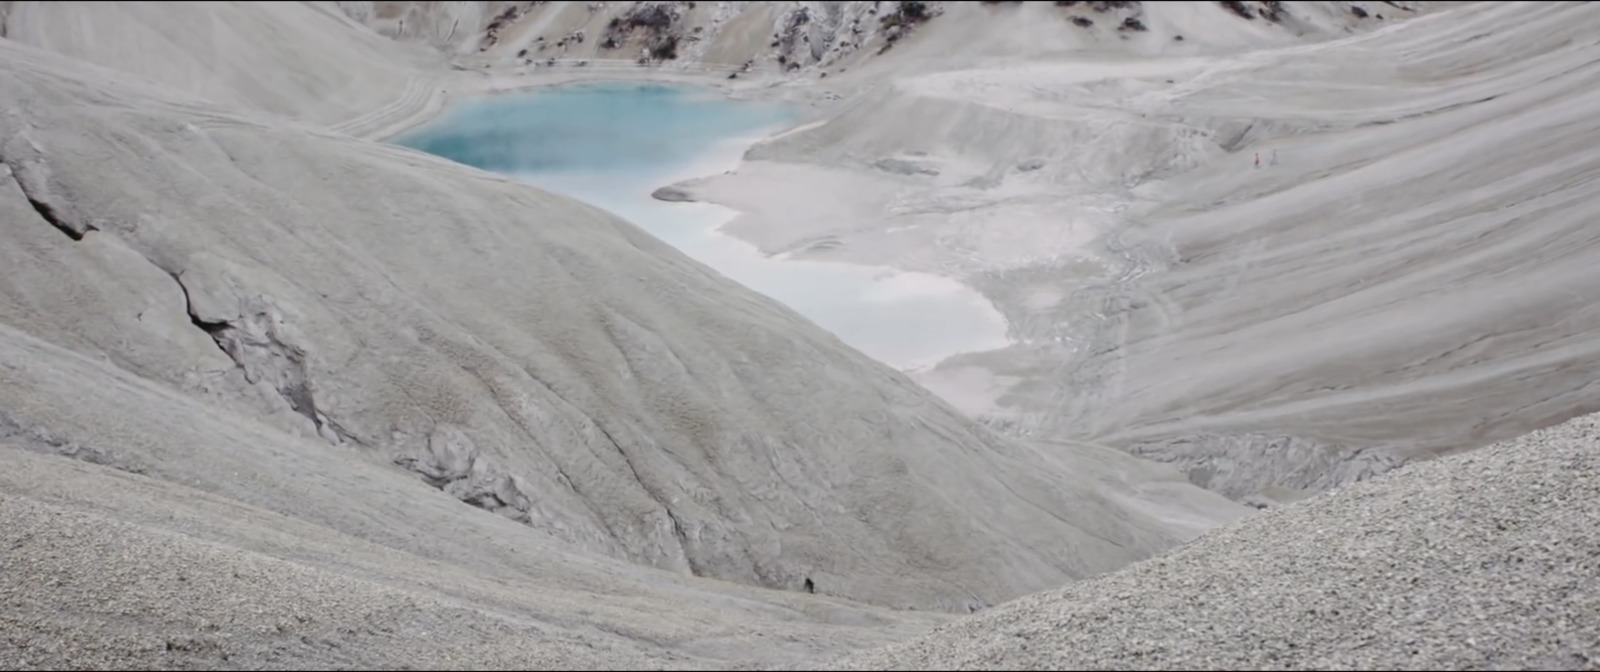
[{"x": 1485, "y": 560}]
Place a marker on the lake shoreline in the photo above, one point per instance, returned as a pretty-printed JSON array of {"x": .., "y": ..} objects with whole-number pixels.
[{"x": 932, "y": 318}]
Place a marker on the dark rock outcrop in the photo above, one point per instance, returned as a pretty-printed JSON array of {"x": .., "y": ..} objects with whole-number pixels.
[
  {"x": 1239, "y": 8},
  {"x": 491, "y": 35},
  {"x": 660, "y": 23}
]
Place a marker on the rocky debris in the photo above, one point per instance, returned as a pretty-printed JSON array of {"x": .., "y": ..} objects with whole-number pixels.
[
  {"x": 900, "y": 22},
  {"x": 792, "y": 33},
  {"x": 908, "y": 14},
  {"x": 1358, "y": 11},
  {"x": 742, "y": 69},
  {"x": 1130, "y": 23},
  {"x": 576, "y": 37},
  {"x": 819, "y": 34},
  {"x": 1270, "y": 10},
  {"x": 658, "y": 20},
  {"x": 491, "y": 35}
]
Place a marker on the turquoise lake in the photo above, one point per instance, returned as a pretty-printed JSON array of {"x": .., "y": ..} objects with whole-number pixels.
[{"x": 612, "y": 144}]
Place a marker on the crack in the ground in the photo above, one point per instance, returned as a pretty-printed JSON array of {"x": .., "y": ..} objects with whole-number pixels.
[
  {"x": 237, "y": 342},
  {"x": 32, "y": 188}
]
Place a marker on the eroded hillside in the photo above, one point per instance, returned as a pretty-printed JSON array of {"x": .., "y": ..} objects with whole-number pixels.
[{"x": 527, "y": 355}]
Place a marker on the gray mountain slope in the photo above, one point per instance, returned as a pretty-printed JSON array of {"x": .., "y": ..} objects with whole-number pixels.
[
  {"x": 523, "y": 353},
  {"x": 291, "y": 554},
  {"x": 1487, "y": 560},
  {"x": 305, "y": 60},
  {"x": 1412, "y": 271}
]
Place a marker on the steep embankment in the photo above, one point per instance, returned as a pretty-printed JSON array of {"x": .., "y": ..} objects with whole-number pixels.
[{"x": 522, "y": 353}]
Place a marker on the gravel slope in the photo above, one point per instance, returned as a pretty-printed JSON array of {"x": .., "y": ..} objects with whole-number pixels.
[
  {"x": 1485, "y": 560},
  {"x": 100, "y": 568},
  {"x": 83, "y": 591}
]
